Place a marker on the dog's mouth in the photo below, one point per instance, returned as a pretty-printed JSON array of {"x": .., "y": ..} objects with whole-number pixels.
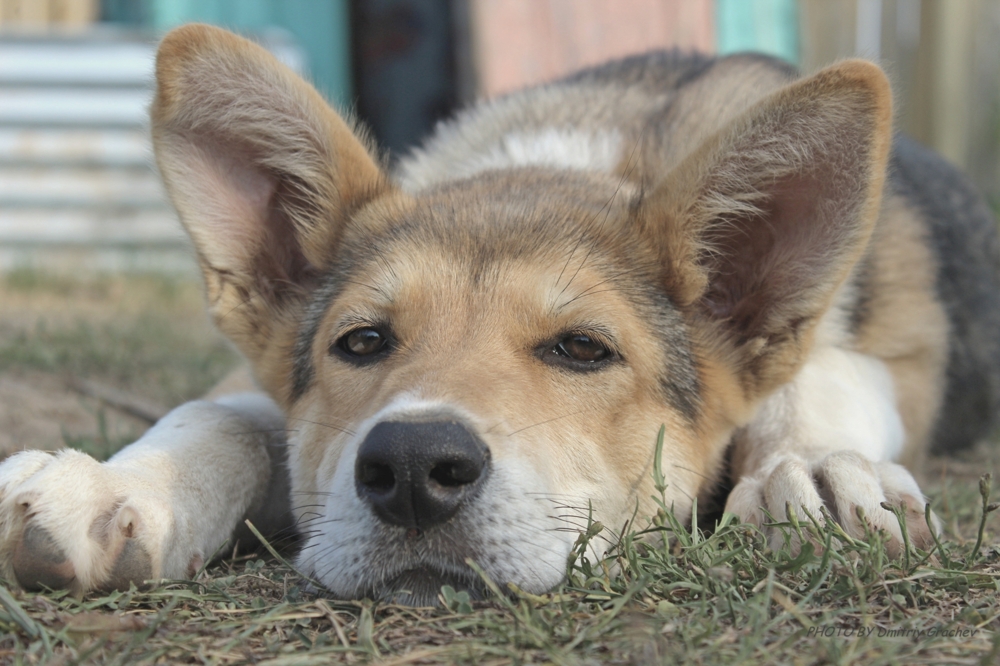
[{"x": 421, "y": 586}]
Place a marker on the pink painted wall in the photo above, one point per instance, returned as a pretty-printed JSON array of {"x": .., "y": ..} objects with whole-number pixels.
[{"x": 521, "y": 42}]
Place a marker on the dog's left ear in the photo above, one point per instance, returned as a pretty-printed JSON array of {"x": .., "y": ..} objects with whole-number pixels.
[
  {"x": 760, "y": 226},
  {"x": 263, "y": 173}
]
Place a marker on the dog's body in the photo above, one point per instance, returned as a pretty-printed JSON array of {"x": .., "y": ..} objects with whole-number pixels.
[{"x": 478, "y": 354}]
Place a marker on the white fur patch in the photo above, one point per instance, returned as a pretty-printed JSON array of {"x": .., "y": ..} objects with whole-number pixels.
[
  {"x": 827, "y": 439},
  {"x": 556, "y": 148},
  {"x": 839, "y": 401},
  {"x": 178, "y": 491},
  {"x": 550, "y": 147},
  {"x": 851, "y": 396}
]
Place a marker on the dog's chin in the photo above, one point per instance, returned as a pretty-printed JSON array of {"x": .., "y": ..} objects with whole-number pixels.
[{"x": 421, "y": 586}]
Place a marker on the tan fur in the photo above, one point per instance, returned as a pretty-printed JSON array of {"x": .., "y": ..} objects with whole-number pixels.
[
  {"x": 907, "y": 327},
  {"x": 239, "y": 380}
]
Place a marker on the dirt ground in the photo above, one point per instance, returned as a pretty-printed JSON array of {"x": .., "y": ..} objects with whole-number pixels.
[{"x": 90, "y": 363}]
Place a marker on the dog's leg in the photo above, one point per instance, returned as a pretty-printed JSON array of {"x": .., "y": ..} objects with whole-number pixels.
[
  {"x": 828, "y": 439},
  {"x": 157, "y": 509}
]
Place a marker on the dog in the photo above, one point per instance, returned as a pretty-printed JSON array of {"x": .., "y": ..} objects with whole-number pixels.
[{"x": 472, "y": 357}]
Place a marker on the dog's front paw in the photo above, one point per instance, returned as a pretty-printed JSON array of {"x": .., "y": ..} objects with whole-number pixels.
[
  {"x": 843, "y": 482},
  {"x": 67, "y": 521}
]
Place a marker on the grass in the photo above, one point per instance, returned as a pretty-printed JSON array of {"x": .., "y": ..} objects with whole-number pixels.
[
  {"x": 146, "y": 337},
  {"x": 668, "y": 593},
  {"x": 143, "y": 333},
  {"x": 140, "y": 353}
]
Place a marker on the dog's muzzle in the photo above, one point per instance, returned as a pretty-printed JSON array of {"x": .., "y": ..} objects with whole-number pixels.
[{"x": 417, "y": 474}]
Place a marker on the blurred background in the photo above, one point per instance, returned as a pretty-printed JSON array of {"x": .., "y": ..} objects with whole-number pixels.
[{"x": 77, "y": 190}]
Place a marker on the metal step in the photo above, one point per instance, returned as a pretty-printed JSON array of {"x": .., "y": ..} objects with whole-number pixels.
[
  {"x": 74, "y": 107},
  {"x": 49, "y": 62},
  {"x": 82, "y": 227},
  {"x": 101, "y": 188},
  {"x": 90, "y": 258},
  {"x": 74, "y": 147}
]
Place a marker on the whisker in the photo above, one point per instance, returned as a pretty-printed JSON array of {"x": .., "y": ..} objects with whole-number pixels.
[
  {"x": 535, "y": 425},
  {"x": 600, "y": 291},
  {"x": 245, "y": 301},
  {"x": 303, "y": 508},
  {"x": 387, "y": 270},
  {"x": 346, "y": 431},
  {"x": 590, "y": 290},
  {"x": 260, "y": 432},
  {"x": 363, "y": 284},
  {"x": 313, "y": 522},
  {"x": 695, "y": 472}
]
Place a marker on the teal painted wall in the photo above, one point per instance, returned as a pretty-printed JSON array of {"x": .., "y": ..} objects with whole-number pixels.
[
  {"x": 764, "y": 26},
  {"x": 320, "y": 27}
]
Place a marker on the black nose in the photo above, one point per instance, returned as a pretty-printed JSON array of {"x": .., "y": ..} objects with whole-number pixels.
[{"x": 418, "y": 474}]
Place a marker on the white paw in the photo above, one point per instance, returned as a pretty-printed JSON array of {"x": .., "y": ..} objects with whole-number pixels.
[
  {"x": 843, "y": 482},
  {"x": 67, "y": 521}
]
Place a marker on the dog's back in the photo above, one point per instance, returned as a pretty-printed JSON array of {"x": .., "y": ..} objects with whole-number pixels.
[{"x": 927, "y": 295}]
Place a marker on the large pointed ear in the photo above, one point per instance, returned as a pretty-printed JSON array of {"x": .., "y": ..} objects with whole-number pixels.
[
  {"x": 760, "y": 226},
  {"x": 261, "y": 170}
]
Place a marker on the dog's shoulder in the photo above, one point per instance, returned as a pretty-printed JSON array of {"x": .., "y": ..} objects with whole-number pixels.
[{"x": 961, "y": 233}]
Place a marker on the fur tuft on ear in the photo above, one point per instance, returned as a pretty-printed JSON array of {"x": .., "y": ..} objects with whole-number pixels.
[
  {"x": 261, "y": 170},
  {"x": 760, "y": 226}
]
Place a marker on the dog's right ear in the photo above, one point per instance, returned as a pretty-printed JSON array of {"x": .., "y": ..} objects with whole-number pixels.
[
  {"x": 760, "y": 225},
  {"x": 262, "y": 171}
]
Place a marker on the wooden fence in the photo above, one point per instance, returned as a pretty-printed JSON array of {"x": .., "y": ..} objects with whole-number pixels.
[
  {"x": 943, "y": 57},
  {"x": 35, "y": 13}
]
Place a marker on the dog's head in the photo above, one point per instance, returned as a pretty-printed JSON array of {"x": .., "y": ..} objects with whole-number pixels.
[{"x": 478, "y": 369}]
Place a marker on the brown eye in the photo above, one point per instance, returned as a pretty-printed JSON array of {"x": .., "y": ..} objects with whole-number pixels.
[
  {"x": 582, "y": 348},
  {"x": 579, "y": 352},
  {"x": 362, "y": 342}
]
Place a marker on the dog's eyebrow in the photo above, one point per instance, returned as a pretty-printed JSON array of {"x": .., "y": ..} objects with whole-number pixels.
[
  {"x": 593, "y": 289},
  {"x": 359, "y": 318}
]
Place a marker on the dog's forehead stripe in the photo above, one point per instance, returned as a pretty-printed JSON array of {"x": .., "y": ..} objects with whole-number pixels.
[
  {"x": 302, "y": 366},
  {"x": 680, "y": 379}
]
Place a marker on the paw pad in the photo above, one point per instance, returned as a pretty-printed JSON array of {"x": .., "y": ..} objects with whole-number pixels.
[
  {"x": 39, "y": 561},
  {"x": 132, "y": 566}
]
